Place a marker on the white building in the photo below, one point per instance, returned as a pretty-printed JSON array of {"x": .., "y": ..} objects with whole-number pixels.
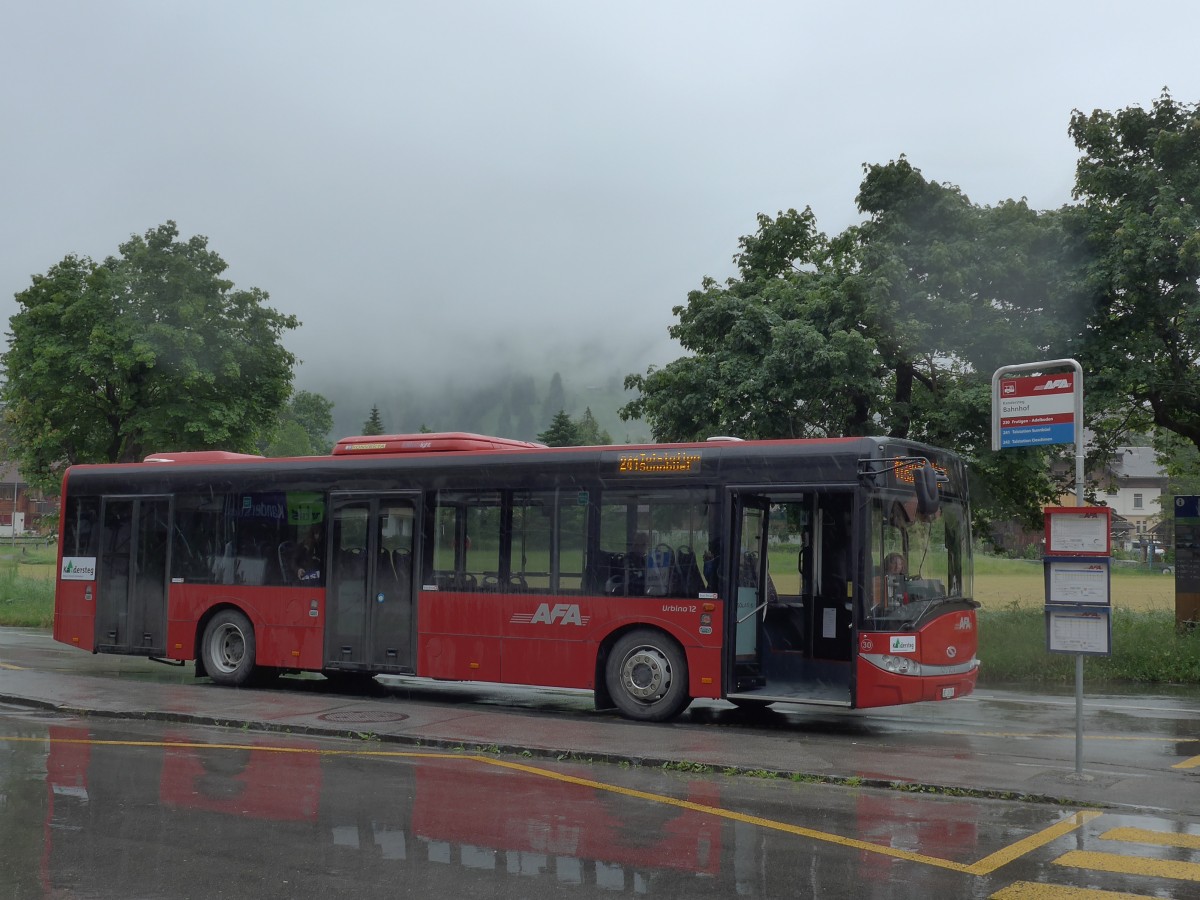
[{"x": 1133, "y": 486}]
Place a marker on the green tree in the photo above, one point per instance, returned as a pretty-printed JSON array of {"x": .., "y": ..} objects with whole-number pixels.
[
  {"x": 563, "y": 432},
  {"x": 304, "y": 426},
  {"x": 150, "y": 350},
  {"x": 893, "y": 327},
  {"x": 589, "y": 432},
  {"x": 1139, "y": 220},
  {"x": 374, "y": 424}
]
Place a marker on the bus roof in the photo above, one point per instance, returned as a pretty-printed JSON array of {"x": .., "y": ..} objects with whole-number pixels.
[{"x": 429, "y": 442}]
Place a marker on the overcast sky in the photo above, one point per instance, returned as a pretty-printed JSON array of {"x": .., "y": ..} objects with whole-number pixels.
[{"x": 441, "y": 184}]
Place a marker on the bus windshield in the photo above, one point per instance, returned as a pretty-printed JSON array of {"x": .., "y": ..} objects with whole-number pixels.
[{"x": 918, "y": 562}]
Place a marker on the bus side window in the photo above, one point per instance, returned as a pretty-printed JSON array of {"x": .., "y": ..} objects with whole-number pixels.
[
  {"x": 80, "y": 528},
  {"x": 465, "y": 553},
  {"x": 647, "y": 545}
]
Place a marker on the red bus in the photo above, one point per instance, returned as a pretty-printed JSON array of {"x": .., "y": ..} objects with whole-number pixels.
[{"x": 830, "y": 571}]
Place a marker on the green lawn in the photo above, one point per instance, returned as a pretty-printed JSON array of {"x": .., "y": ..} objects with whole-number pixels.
[
  {"x": 1001, "y": 583},
  {"x": 27, "y": 585}
]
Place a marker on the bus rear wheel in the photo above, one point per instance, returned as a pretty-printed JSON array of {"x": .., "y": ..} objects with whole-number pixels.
[
  {"x": 228, "y": 648},
  {"x": 647, "y": 676}
]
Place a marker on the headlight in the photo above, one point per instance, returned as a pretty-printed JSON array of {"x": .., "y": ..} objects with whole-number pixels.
[{"x": 901, "y": 665}]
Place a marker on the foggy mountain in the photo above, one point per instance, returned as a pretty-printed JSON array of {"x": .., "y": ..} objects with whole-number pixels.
[{"x": 507, "y": 392}]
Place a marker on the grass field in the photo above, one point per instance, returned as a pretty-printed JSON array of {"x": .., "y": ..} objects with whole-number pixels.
[{"x": 1003, "y": 583}]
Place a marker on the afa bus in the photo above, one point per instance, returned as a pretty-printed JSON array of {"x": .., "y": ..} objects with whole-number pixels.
[{"x": 832, "y": 572}]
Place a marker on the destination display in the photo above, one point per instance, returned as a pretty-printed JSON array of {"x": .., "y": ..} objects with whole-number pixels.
[{"x": 659, "y": 462}]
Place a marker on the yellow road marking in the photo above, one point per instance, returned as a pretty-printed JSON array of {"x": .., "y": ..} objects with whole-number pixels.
[
  {"x": 985, "y": 866},
  {"x": 11, "y": 666},
  {"x": 1145, "y": 836},
  {"x": 1125, "y": 865},
  {"x": 1188, "y": 763},
  {"x": 1003, "y": 857},
  {"x": 1032, "y": 890}
]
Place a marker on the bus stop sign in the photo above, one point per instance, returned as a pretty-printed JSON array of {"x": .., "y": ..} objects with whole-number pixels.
[{"x": 1033, "y": 410}]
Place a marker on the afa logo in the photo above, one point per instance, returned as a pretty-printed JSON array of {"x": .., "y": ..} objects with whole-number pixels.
[{"x": 559, "y": 613}]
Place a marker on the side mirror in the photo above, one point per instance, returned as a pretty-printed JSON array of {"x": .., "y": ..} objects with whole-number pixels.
[{"x": 925, "y": 480}]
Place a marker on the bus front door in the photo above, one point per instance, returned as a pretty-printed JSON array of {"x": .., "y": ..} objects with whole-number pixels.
[
  {"x": 791, "y": 586},
  {"x": 131, "y": 590},
  {"x": 370, "y": 615}
]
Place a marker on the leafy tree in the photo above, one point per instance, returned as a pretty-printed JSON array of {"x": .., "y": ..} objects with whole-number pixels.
[
  {"x": 770, "y": 356},
  {"x": 1139, "y": 182},
  {"x": 289, "y": 439},
  {"x": 567, "y": 432},
  {"x": 374, "y": 424},
  {"x": 893, "y": 327},
  {"x": 1181, "y": 460},
  {"x": 148, "y": 351},
  {"x": 304, "y": 426},
  {"x": 563, "y": 432},
  {"x": 589, "y": 431}
]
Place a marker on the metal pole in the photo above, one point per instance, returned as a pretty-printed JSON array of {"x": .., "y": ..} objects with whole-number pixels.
[{"x": 1079, "y": 501}]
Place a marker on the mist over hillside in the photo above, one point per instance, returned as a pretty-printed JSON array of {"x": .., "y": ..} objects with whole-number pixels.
[{"x": 499, "y": 390}]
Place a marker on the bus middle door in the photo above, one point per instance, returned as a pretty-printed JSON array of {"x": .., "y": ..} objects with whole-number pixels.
[
  {"x": 131, "y": 592},
  {"x": 370, "y": 613}
]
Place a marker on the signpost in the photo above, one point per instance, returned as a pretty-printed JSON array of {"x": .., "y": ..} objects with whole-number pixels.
[{"x": 1035, "y": 404}]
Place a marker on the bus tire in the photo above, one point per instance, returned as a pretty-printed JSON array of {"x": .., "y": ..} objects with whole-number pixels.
[
  {"x": 647, "y": 677},
  {"x": 228, "y": 648}
]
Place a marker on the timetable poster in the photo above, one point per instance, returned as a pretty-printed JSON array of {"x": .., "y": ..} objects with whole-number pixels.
[
  {"x": 1078, "y": 530},
  {"x": 1081, "y": 631},
  {"x": 1083, "y": 581}
]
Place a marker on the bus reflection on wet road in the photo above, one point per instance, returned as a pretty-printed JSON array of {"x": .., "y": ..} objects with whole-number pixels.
[{"x": 102, "y": 809}]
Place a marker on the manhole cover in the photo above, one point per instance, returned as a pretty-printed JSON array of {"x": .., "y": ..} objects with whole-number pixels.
[{"x": 361, "y": 717}]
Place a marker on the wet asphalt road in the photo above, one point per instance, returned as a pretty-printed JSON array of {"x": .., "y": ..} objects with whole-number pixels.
[
  {"x": 140, "y": 809},
  {"x": 443, "y": 802}
]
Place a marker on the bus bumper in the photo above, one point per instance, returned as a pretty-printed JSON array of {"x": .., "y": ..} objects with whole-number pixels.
[{"x": 879, "y": 687}]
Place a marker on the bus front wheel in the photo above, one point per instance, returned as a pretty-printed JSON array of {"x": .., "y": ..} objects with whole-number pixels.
[
  {"x": 647, "y": 676},
  {"x": 228, "y": 648}
]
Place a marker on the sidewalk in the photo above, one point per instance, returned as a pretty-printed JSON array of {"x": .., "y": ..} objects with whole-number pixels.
[{"x": 989, "y": 745}]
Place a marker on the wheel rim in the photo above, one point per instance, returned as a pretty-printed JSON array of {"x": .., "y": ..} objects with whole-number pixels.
[
  {"x": 227, "y": 648},
  {"x": 646, "y": 674}
]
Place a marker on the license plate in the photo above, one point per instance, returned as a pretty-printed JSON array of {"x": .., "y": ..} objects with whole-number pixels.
[{"x": 947, "y": 693}]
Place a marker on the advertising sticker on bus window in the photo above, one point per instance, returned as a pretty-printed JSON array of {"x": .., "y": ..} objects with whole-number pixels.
[
  {"x": 78, "y": 568},
  {"x": 903, "y": 643}
]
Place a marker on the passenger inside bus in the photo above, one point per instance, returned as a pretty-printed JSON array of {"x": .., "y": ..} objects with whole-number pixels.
[
  {"x": 889, "y": 584},
  {"x": 308, "y": 556}
]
